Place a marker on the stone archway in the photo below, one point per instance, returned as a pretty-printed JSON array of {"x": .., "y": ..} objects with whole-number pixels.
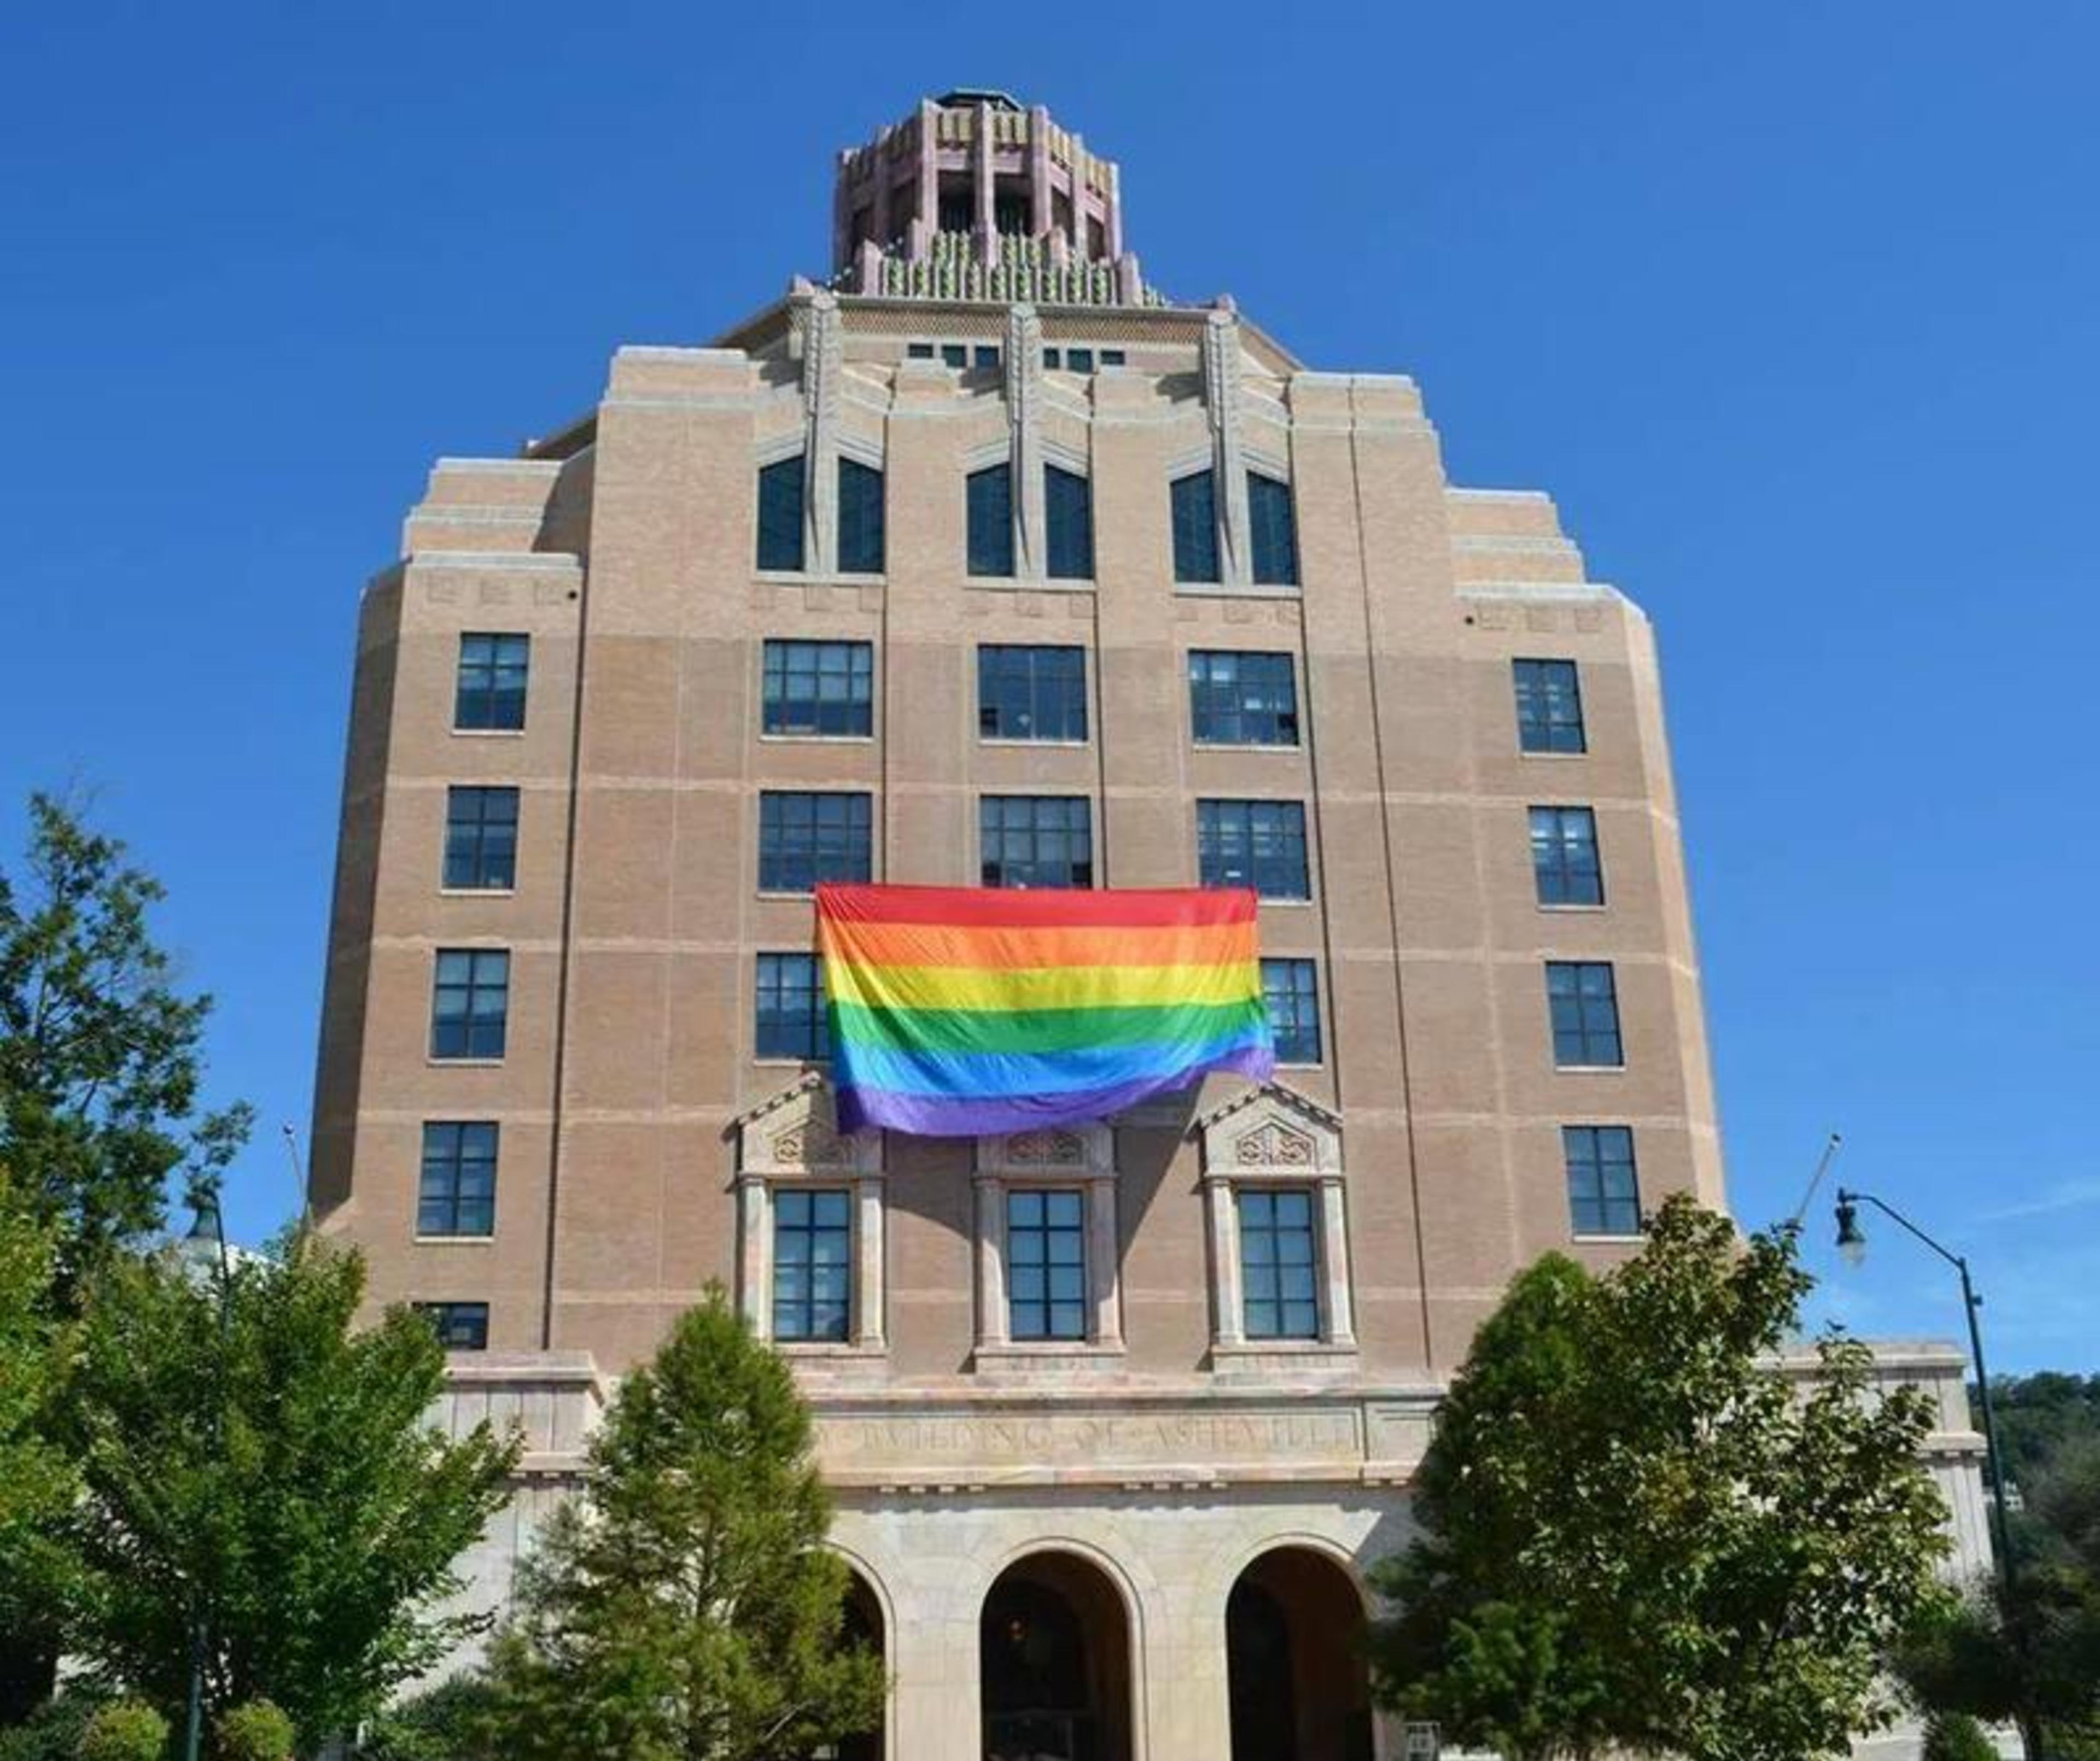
[
  {"x": 1054, "y": 1663},
  {"x": 1296, "y": 1673}
]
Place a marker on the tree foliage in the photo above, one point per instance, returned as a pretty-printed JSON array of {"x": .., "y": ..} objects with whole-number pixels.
[
  {"x": 124, "y": 1730},
  {"x": 449, "y": 1722},
  {"x": 2031, "y": 1652},
  {"x": 273, "y": 1466},
  {"x": 257, "y": 1731},
  {"x": 100, "y": 1054},
  {"x": 36, "y": 1478},
  {"x": 684, "y": 1607},
  {"x": 1640, "y": 1532}
]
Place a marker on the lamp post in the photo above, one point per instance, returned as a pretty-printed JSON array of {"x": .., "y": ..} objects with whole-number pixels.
[
  {"x": 203, "y": 1250},
  {"x": 1852, "y": 1244}
]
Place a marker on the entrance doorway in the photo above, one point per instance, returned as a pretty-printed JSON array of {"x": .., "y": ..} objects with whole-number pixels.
[
  {"x": 863, "y": 1630},
  {"x": 1053, "y": 1655},
  {"x": 1295, "y": 1668}
]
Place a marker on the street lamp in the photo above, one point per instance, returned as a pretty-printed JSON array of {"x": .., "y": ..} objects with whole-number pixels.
[
  {"x": 1852, "y": 1244},
  {"x": 203, "y": 1251}
]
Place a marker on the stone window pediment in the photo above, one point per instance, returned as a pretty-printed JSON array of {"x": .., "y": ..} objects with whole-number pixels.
[
  {"x": 1271, "y": 1130},
  {"x": 795, "y": 1132}
]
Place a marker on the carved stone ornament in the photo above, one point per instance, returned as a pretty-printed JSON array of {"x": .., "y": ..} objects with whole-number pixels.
[
  {"x": 1051, "y": 1149},
  {"x": 1275, "y": 1146}
]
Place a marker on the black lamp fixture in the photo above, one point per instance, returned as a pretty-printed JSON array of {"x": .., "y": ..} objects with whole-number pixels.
[{"x": 1851, "y": 1241}]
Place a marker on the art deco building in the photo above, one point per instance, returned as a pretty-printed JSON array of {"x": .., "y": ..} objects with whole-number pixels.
[{"x": 986, "y": 561}]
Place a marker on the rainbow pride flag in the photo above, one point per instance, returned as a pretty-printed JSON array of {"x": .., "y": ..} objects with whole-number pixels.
[{"x": 962, "y": 1011}]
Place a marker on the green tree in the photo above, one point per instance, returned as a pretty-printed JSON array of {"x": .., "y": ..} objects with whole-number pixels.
[
  {"x": 1640, "y": 1531},
  {"x": 100, "y": 1054},
  {"x": 2032, "y": 1651},
  {"x": 258, "y": 1730},
  {"x": 684, "y": 1607},
  {"x": 449, "y": 1722},
  {"x": 273, "y": 1466},
  {"x": 36, "y": 1478},
  {"x": 100, "y": 1064},
  {"x": 124, "y": 1730}
]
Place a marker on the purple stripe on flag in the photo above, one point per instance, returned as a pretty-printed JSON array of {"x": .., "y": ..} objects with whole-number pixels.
[{"x": 943, "y": 1115}]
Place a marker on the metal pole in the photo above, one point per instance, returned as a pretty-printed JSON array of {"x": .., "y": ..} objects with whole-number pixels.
[{"x": 193, "y": 1724}]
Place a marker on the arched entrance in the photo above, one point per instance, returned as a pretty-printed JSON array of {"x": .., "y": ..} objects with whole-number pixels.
[
  {"x": 862, "y": 1629},
  {"x": 1054, "y": 1656},
  {"x": 1295, "y": 1669}
]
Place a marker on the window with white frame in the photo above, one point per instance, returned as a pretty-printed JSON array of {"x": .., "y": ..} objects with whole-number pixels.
[{"x": 1046, "y": 1243}]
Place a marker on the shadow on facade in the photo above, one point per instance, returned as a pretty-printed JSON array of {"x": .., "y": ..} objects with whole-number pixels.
[
  {"x": 1295, "y": 1634},
  {"x": 1054, "y": 1663}
]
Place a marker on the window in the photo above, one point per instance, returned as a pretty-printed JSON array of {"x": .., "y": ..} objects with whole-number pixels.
[
  {"x": 1277, "y": 1264},
  {"x": 1078, "y": 360},
  {"x": 1260, "y": 844},
  {"x": 1036, "y": 840},
  {"x": 1236, "y": 699},
  {"x": 481, "y": 837},
  {"x": 1604, "y": 1193},
  {"x": 1194, "y": 505},
  {"x": 919, "y": 351},
  {"x": 990, "y": 494},
  {"x": 984, "y": 354},
  {"x": 462, "y": 1326},
  {"x": 491, "y": 689},
  {"x": 1031, "y": 693},
  {"x": 1113, "y": 358},
  {"x": 812, "y": 1264},
  {"x": 1291, "y": 992},
  {"x": 1068, "y": 508},
  {"x": 955, "y": 354},
  {"x": 1549, "y": 706},
  {"x": 1580, "y": 997},
  {"x": 471, "y": 1002},
  {"x": 1274, "y": 531},
  {"x": 457, "y": 1194},
  {"x": 860, "y": 518},
  {"x": 807, "y": 837},
  {"x": 780, "y": 515},
  {"x": 1046, "y": 1265},
  {"x": 825, "y": 689},
  {"x": 791, "y": 1008},
  {"x": 1564, "y": 857}
]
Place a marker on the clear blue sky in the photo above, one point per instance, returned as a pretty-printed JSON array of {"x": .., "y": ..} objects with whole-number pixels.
[{"x": 1796, "y": 311}]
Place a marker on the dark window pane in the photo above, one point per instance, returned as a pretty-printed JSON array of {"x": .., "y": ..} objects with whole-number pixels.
[
  {"x": 1031, "y": 693},
  {"x": 791, "y": 1015},
  {"x": 481, "y": 837},
  {"x": 780, "y": 515},
  {"x": 456, "y": 1192},
  {"x": 803, "y": 838},
  {"x": 990, "y": 496},
  {"x": 1260, "y": 844},
  {"x": 1564, "y": 857},
  {"x": 860, "y": 518},
  {"x": 1046, "y": 1265},
  {"x": 812, "y": 1265},
  {"x": 1243, "y": 699},
  {"x": 1274, "y": 531},
  {"x": 470, "y": 1003},
  {"x": 955, "y": 354},
  {"x": 1603, "y": 1189},
  {"x": 1078, "y": 360},
  {"x": 919, "y": 351},
  {"x": 984, "y": 354},
  {"x": 818, "y": 688},
  {"x": 1036, "y": 841},
  {"x": 1581, "y": 999},
  {"x": 1277, "y": 1256},
  {"x": 490, "y": 691},
  {"x": 1114, "y": 357},
  {"x": 1068, "y": 508},
  {"x": 1549, "y": 706},
  {"x": 1291, "y": 992},
  {"x": 461, "y": 1326},
  {"x": 1195, "y": 515}
]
